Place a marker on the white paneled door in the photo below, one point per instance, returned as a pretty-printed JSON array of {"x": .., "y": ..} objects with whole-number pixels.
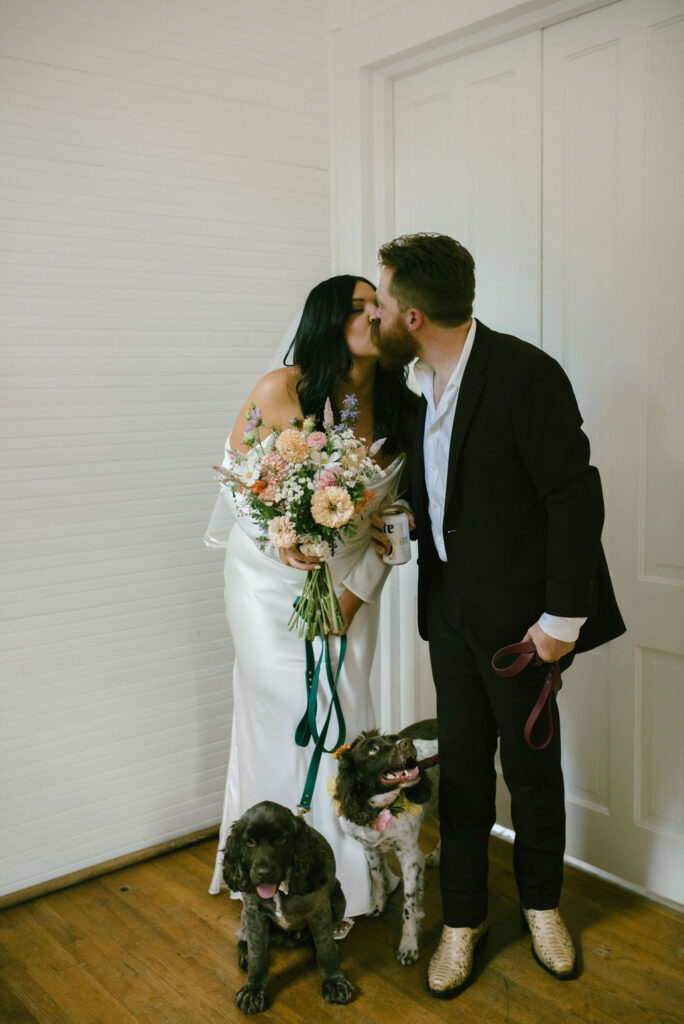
[
  {"x": 556, "y": 158},
  {"x": 468, "y": 162}
]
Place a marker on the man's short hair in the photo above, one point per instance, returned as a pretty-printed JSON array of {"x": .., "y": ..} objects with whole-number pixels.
[{"x": 432, "y": 272}]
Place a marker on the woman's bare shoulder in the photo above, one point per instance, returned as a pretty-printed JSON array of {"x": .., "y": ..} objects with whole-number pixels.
[
  {"x": 278, "y": 385},
  {"x": 276, "y": 396}
]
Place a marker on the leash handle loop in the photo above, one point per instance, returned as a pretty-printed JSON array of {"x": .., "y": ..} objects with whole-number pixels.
[
  {"x": 525, "y": 653},
  {"x": 307, "y": 728},
  {"x": 547, "y": 695}
]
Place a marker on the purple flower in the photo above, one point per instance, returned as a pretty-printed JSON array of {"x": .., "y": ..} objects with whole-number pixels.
[
  {"x": 350, "y": 410},
  {"x": 253, "y": 418}
]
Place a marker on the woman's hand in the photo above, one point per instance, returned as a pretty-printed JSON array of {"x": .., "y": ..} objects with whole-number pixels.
[
  {"x": 350, "y": 604},
  {"x": 378, "y": 536},
  {"x": 296, "y": 560}
]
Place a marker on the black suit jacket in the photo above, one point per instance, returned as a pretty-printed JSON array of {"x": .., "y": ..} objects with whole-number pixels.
[{"x": 524, "y": 508}]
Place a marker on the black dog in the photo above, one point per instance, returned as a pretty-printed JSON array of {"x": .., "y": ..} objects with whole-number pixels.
[
  {"x": 382, "y": 794},
  {"x": 285, "y": 871}
]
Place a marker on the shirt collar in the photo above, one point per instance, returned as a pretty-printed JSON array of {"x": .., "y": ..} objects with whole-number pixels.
[{"x": 424, "y": 373}]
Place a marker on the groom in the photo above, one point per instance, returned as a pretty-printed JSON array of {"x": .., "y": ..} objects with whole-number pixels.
[{"x": 508, "y": 515}]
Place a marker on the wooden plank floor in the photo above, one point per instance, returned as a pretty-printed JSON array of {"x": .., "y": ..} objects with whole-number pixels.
[{"x": 148, "y": 945}]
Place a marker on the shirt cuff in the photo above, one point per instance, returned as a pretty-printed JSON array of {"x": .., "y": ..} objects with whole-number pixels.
[{"x": 561, "y": 628}]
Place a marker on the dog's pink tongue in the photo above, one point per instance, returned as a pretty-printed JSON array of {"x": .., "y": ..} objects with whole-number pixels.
[{"x": 267, "y": 892}]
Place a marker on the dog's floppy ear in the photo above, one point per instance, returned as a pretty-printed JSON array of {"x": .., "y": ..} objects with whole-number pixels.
[
  {"x": 352, "y": 805},
  {"x": 235, "y": 866},
  {"x": 312, "y": 860}
]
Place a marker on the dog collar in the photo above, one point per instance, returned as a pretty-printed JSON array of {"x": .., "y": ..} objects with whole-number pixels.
[
  {"x": 384, "y": 818},
  {"x": 395, "y": 810}
]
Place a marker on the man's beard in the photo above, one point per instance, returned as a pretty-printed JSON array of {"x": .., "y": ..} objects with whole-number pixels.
[{"x": 396, "y": 345}]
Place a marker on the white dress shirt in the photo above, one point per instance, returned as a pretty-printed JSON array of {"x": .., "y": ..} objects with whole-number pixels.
[{"x": 439, "y": 421}]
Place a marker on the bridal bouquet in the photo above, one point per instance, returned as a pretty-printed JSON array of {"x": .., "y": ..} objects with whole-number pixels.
[{"x": 305, "y": 487}]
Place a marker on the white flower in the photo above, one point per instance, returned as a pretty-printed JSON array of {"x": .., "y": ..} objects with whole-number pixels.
[
  {"x": 315, "y": 547},
  {"x": 321, "y": 458},
  {"x": 328, "y": 418},
  {"x": 246, "y": 467},
  {"x": 376, "y": 446},
  {"x": 354, "y": 458}
]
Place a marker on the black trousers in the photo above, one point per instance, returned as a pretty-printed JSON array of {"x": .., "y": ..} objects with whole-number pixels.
[{"x": 475, "y": 709}]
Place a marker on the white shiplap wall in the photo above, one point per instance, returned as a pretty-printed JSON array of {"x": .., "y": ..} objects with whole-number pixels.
[{"x": 164, "y": 185}]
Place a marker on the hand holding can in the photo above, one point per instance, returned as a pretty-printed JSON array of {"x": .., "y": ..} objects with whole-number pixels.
[{"x": 395, "y": 526}]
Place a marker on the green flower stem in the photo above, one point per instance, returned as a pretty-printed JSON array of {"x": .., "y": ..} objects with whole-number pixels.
[{"x": 318, "y": 611}]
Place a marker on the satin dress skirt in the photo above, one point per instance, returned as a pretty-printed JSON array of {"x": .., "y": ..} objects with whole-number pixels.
[{"x": 269, "y": 689}]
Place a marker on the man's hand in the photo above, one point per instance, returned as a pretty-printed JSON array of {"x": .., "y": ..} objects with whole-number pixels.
[
  {"x": 294, "y": 558},
  {"x": 548, "y": 648}
]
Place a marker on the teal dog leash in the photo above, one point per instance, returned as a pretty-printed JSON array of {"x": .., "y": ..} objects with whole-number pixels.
[{"x": 307, "y": 729}]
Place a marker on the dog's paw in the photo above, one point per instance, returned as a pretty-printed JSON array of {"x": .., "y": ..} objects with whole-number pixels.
[
  {"x": 251, "y": 999},
  {"x": 407, "y": 954},
  {"x": 243, "y": 955},
  {"x": 337, "y": 990},
  {"x": 432, "y": 860},
  {"x": 377, "y": 908}
]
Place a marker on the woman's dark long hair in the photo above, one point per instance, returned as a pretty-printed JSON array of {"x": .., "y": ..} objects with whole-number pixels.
[{"x": 320, "y": 350}]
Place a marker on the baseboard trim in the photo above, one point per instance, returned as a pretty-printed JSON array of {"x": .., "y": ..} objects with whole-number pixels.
[
  {"x": 137, "y": 856},
  {"x": 106, "y": 867},
  {"x": 509, "y": 835}
]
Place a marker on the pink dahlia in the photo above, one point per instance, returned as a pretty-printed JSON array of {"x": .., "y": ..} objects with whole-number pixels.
[{"x": 317, "y": 439}]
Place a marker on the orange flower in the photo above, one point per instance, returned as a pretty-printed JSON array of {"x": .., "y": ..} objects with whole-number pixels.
[
  {"x": 292, "y": 446},
  {"x": 367, "y": 498},
  {"x": 332, "y": 506}
]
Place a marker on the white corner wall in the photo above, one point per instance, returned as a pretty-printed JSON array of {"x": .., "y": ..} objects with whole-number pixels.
[{"x": 165, "y": 209}]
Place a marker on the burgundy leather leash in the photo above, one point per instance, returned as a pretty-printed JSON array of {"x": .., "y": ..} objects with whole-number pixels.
[
  {"x": 428, "y": 762},
  {"x": 527, "y": 652}
]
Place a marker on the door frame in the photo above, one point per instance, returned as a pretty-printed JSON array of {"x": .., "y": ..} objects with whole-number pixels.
[{"x": 365, "y": 57}]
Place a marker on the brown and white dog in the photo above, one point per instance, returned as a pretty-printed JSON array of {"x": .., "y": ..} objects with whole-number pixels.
[{"x": 382, "y": 794}]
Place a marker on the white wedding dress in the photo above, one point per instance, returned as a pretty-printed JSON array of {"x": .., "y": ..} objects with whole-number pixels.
[{"x": 269, "y": 683}]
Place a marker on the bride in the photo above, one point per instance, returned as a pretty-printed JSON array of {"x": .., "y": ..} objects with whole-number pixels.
[{"x": 334, "y": 356}]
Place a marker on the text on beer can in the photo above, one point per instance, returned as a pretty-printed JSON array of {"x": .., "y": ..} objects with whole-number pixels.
[{"x": 396, "y": 529}]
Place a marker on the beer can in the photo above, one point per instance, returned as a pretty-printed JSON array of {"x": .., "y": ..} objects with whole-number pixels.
[{"x": 396, "y": 528}]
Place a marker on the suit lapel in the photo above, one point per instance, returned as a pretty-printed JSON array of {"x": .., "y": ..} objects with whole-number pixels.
[{"x": 468, "y": 397}]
